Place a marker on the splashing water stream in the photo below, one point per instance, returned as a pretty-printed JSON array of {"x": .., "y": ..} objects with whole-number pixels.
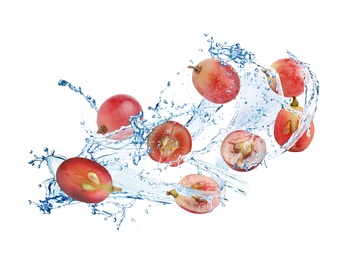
[{"x": 254, "y": 110}]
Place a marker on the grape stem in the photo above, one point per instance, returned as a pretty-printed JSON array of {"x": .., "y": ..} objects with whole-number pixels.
[
  {"x": 196, "y": 69},
  {"x": 173, "y": 193},
  {"x": 102, "y": 130},
  {"x": 294, "y": 102},
  {"x": 116, "y": 189}
]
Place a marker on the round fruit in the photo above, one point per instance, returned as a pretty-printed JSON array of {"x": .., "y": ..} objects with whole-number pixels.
[
  {"x": 286, "y": 123},
  {"x": 115, "y": 113},
  {"x": 290, "y": 75},
  {"x": 169, "y": 142},
  {"x": 197, "y": 204},
  {"x": 216, "y": 81},
  {"x": 242, "y": 150},
  {"x": 84, "y": 180}
]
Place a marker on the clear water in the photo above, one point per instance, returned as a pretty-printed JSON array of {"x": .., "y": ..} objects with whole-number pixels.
[{"x": 254, "y": 109}]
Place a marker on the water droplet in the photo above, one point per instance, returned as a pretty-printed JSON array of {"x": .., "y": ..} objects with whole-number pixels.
[{"x": 63, "y": 83}]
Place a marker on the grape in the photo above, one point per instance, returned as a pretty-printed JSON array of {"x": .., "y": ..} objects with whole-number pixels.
[
  {"x": 169, "y": 142},
  {"x": 115, "y": 113},
  {"x": 197, "y": 204},
  {"x": 215, "y": 81},
  {"x": 84, "y": 180},
  {"x": 290, "y": 75},
  {"x": 242, "y": 150},
  {"x": 286, "y": 123}
]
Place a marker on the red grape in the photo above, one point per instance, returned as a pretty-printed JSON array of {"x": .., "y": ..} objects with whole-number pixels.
[
  {"x": 290, "y": 75},
  {"x": 197, "y": 204},
  {"x": 242, "y": 150},
  {"x": 84, "y": 180},
  {"x": 169, "y": 142},
  {"x": 115, "y": 113},
  {"x": 286, "y": 124},
  {"x": 215, "y": 81}
]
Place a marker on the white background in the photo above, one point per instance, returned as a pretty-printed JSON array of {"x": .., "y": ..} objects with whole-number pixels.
[{"x": 293, "y": 208}]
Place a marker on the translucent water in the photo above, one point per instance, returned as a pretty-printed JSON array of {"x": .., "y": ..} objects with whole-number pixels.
[{"x": 254, "y": 110}]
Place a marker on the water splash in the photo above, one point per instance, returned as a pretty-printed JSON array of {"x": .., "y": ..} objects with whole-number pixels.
[
  {"x": 254, "y": 110},
  {"x": 78, "y": 90}
]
